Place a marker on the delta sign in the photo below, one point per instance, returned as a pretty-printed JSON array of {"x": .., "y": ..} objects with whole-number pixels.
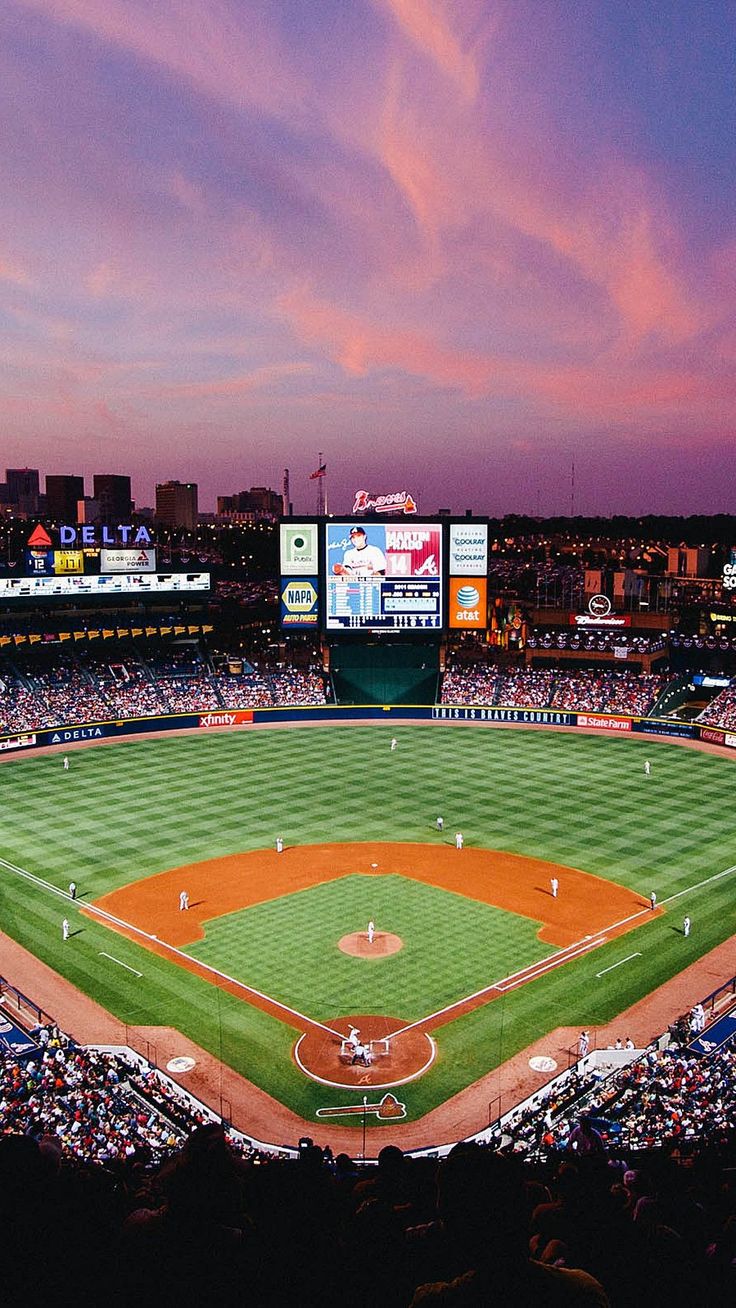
[
  {"x": 93, "y": 536},
  {"x": 299, "y": 602}
]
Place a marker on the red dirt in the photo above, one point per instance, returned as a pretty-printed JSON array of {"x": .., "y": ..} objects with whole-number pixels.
[
  {"x": 261, "y": 1117},
  {"x": 318, "y": 1053},
  {"x": 357, "y": 944}
]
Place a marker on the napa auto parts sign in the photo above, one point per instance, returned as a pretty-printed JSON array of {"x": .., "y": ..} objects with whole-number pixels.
[{"x": 398, "y": 502}]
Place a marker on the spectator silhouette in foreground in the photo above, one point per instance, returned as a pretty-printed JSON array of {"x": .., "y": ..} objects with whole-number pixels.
[{"x": 482, "y": 1240}]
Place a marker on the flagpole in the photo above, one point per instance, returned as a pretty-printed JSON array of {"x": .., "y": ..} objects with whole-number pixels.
[{"x": 321, "y": 495}]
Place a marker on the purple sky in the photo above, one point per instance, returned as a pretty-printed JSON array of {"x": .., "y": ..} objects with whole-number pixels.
[{"x": 453, "y": 245}]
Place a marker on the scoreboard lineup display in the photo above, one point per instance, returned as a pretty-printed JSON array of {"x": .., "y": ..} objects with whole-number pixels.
[{"x": 383, "y": 576}]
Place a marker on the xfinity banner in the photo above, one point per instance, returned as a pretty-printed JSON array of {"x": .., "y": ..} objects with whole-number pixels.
[{"x": 468, "y": 549}]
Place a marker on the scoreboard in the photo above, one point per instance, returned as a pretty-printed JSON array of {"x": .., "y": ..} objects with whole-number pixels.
[{"x": 383, "y": 576}]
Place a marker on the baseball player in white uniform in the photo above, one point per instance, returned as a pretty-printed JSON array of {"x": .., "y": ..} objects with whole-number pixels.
[
  {"x": 554, "y": 886},
  {"x": 183, "y": 900},
  {"x": 279, "y": 844},
  {"x": 371, "y": 931},
  {"x": 362, "y": 560},
  {"x": 647, "y": 767},
  {"x": 459, "y": 840},
  {"x": 65, "y": 929},
  {"x": 65, "y": 763}
]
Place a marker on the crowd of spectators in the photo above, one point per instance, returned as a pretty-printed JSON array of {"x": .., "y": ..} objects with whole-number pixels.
[
  {"x": 721, "y": 712},
  {"x": 48, "y": 691},
  {"x": 584, "y": 691},
  {"x": 617, "y": 1189}
]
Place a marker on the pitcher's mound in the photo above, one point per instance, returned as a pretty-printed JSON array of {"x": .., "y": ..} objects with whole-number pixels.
[{"x": 357, "y": 944}]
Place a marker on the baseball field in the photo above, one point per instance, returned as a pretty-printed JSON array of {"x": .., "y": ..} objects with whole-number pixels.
[{"x": 473, "y": 958}]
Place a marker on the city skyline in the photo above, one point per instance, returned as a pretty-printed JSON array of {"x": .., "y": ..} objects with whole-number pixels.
[{"x": 454, "y": 249}]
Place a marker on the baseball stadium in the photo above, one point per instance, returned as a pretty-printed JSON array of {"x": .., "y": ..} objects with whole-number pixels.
[{"x": 365, "y": 885}]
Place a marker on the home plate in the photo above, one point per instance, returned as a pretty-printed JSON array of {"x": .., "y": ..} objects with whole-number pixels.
[{"x": 541, "y": 1063}]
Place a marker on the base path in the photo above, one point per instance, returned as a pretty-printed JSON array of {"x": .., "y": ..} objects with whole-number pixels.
[
  {"x": 585, "y": 904},
  {"x": 573, "y": 920},
  {"x": 263, "y": 1118}
]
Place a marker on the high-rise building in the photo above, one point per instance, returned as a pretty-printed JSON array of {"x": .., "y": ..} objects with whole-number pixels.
[
  {"x": 176, "y": 504},
  {"x": 23, "y": 492},
  {"x": 256, "y": 505},
  {"x": 62, "y": 496},
  {"x": 113, "y": 496}
]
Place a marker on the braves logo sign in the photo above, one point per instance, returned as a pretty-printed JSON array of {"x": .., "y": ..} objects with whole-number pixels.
[{"x": 399, "y": 502}]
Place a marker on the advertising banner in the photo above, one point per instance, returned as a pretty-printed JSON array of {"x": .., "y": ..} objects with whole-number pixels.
[
  {"x": 41, "y": 588},
  {"x": 127, "y": 560},
  {"x": 604, "y": 722},
  {"x": 299, "y": 602},
  {"x": 299, "y": 549},
  {"x": 226, "y": 718},
  {"x": 468, "y": 549},
  {"x": 383, "y": 577},
  {"x": 712, "y": 735},
  {"x": 68, "y": 562},
  {"x": 467, "y": 604},
  {"x": 18, "y": 742}
]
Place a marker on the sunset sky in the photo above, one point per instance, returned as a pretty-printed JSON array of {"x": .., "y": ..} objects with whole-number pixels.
[{"x": 453, "y": 244}]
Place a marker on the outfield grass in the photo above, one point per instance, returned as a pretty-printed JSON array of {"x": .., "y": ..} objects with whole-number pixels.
[{"x": 126, "y": 811}]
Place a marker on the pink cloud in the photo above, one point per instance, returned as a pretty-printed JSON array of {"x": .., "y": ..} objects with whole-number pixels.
[
  {"x": 431, "y": 26},
  {"x": 204, "y": 41}
]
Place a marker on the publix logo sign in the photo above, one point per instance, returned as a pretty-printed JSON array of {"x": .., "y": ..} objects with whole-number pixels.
[{"x": 468, "y": 602}]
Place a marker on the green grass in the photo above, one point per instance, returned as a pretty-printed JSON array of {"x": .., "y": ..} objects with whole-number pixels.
[
  {"x": 126, "y": 811},
  {"x": 288, "y": 947}
]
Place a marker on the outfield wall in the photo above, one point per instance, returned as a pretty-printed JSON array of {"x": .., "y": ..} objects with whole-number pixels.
[{"x": 228, "y": 719}]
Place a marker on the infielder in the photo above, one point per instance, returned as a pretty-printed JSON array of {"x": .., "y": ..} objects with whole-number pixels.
[
  {"x": 371, "y": 932},
  {"x": 183, "y": 900},
  {"x": 653, "y": 900},
  {"x": 459, "y": 840},
  {"x": 554, "y": 886},
  {"x": 72, "y": 890},
  {"x": 279, "y": 844}
]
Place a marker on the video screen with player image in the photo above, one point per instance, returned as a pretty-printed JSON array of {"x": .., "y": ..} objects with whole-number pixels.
[{"x": 383, "y": 576}]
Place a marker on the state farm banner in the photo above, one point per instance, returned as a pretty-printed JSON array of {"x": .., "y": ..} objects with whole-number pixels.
[
  {"x": 604, "y": 722},
  {"x": 127, "y": 560}
]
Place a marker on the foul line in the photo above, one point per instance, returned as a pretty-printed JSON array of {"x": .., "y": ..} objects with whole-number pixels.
[
  {"x": 620, "y": 962},
  {"x": 558, "y": 959},
  {"x": 119, "y": 963},
  {"x": 102, "y": 913},
  {"x": 529, "y": 973}
]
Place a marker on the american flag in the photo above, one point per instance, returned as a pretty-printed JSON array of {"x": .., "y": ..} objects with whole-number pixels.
[{"x": 321, "y": 472}]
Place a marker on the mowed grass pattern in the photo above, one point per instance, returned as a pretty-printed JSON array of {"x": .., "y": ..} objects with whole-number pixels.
[
  {"x": 127, "y": 810},
  {"x": 288, "y": 947}
]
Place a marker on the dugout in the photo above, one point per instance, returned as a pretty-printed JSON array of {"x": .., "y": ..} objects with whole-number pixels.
[{"x": 378, "y": 672}]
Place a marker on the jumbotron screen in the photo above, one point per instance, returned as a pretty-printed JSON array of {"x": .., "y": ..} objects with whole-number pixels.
[{"x": 383, "y": 576}]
